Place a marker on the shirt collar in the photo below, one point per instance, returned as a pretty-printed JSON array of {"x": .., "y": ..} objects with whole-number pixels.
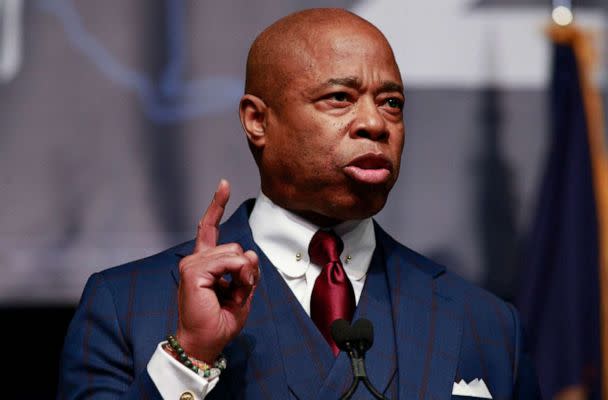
[{"x": 284, "y": 238}]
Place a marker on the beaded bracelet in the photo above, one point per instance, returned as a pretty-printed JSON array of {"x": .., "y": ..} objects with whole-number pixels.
[{"x": 197, "y": 366}]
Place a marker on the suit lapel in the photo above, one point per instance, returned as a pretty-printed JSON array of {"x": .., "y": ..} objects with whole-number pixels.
[
  {"x": 307, "y": 357},
  {"x": 376, "y": 306},
  {"x": 254, "y": 349},
  {"x": 428, "y": 324}
]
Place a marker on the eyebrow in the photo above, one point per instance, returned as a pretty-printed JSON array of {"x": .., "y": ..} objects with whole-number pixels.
[
  {"x": 390, "y": 86},
  {"x": 349, "y": 81},
  {"x": 355, "y": 83}
]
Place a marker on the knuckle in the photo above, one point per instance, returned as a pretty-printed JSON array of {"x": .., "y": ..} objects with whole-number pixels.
[
  {"x": 185, "y": 274},
  {"x": 230, "y": 249},
  {"x": 183, "y": 263},
  {"x": 244, "y": 261},
  {"x": 192, "y": 263},
  {"x": 236, "y": 248},
  {"x": 253, "y": 257}
]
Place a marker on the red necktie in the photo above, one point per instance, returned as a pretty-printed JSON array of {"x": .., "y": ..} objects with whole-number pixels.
[{"x": 332, "y": 296}]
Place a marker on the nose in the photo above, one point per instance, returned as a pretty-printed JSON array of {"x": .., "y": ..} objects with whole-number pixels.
[{"x": 369, "y": 123}]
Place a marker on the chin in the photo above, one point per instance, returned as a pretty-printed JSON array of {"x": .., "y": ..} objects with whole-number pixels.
[{"x": 359, "y": 207}]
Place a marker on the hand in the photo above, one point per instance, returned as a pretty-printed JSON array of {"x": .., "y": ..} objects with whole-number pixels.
[{"x": 212, "y": 311}]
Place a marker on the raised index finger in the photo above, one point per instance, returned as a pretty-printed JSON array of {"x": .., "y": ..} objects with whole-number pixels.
[{"x": 208, "y": 228}]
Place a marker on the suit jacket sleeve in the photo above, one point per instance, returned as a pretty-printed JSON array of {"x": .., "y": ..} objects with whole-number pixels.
[
  {"x": 526, "y": 382},
  {"x": 96, "y": 362}
]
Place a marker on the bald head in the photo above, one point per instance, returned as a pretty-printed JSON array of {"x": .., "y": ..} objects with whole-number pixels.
[{"x": 283, "y": 49}]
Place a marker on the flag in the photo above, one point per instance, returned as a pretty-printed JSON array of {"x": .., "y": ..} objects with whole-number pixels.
[{"x": 564, "y": 265}]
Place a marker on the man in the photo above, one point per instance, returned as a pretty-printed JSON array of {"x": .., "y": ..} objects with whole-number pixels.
[{"x": 323, "y": 116}]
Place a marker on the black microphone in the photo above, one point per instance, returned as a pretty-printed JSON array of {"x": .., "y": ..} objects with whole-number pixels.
[{"x": 356, "y": 341}]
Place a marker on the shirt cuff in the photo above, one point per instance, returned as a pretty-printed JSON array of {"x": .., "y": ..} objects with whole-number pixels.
[{"x": 172, "y": 379}]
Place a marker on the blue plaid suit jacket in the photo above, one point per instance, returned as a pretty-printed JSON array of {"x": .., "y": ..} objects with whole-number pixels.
[{"x": 432, "y": 329}]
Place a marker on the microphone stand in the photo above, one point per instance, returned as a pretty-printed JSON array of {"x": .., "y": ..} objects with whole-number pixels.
[
  {"x": 356, "y": 348},
  {"x": 357, "y": 359}
]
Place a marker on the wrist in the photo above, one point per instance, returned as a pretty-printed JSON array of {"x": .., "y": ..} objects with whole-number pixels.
[
  {"x": 204, "y": 352},
  {"x": 199, "y": 367}
]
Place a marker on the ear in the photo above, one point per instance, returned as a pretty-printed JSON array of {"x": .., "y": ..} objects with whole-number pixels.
[{"x": 254, "y": 114}]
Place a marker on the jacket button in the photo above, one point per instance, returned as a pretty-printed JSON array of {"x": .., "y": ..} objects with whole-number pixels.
[{"x": 186, "y": 396}]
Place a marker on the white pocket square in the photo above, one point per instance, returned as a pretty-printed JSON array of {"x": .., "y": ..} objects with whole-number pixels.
[{"x": 475, "y": 388}]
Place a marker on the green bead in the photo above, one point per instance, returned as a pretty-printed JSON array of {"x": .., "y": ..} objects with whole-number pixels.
[
  {"x": 221, "y": 363},
  {"x": 179, "y": 350},
  {"x": 195, "y": 369},
  {"x": 188, "y": 363},
  {"x": 183, "y": 357}
]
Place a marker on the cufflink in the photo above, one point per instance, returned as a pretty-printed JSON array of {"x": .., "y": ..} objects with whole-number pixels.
[{"x": 186, "y": 396}]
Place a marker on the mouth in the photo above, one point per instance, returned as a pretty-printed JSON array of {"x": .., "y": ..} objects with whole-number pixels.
[{"x": 370, "y": 169}]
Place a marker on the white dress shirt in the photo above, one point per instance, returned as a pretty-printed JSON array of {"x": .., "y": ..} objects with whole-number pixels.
[{"x": 284, "y": 238}]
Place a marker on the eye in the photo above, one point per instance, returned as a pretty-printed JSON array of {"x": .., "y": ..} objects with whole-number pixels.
[
  {"x": 339, "y": 96},
  {"x": 394, "y": 102}
]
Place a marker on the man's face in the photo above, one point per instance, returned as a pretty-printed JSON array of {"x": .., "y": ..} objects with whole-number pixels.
[{"x": 335, "y": 133}]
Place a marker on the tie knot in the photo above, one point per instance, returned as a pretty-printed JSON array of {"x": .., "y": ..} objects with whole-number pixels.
[{"x": 325, "y": 247}]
